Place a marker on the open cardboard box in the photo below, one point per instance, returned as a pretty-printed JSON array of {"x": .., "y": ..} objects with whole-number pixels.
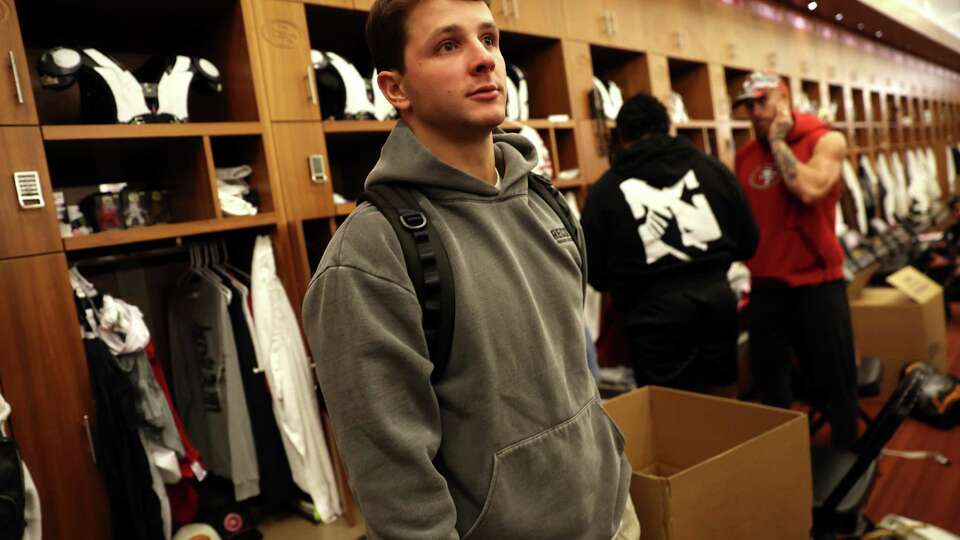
[
  {"x": 707, "y": 467},
  {"x": 901, "y": 324}
]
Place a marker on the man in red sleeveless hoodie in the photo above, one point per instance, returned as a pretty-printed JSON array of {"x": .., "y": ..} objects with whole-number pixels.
[{"x": 790, "y": 174}]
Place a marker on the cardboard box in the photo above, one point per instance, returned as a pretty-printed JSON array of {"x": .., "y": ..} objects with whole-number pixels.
[
  {"x": 707, "y": 467},
  {"x": 898, "y": 330}
]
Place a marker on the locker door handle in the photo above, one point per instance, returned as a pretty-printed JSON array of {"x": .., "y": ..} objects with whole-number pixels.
[
  {"x": 679, "y": 40},
  {"x": 312, "y": 86},
  {"x": 318, "y": 174},
  {"x": 86, "y": 425},
  {"x": 16, "y": 77},
  {"x": 516, "y": 9}
]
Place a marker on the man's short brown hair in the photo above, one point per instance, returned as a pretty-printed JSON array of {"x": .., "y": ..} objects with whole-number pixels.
[{"x": 387, "y": 32}]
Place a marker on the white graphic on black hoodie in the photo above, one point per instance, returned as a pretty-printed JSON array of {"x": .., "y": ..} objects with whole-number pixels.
[{"x": 674, "y": 219}]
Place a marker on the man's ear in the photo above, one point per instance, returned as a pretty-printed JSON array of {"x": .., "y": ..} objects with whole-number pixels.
[{"x": 391, "y": 85}]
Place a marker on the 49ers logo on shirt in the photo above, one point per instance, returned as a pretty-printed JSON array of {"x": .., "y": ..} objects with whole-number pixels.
[{"x": 765, "y": 177}]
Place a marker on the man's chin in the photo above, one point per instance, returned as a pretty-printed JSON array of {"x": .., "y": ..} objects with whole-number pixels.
[{"x": 487, "y": 121}]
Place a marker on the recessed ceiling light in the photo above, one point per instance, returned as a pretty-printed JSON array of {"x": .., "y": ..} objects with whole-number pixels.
[
  {"x": 861, "y": 26},
  {"x": 812, "y": 6},
  {"x": 838, "y": 17},
  {"x": 878, "y": 33}
]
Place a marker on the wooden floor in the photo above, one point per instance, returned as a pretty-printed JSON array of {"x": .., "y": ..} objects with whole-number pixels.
[
  {"x": 923, "y": 489},
  {"x": 297, "y": 528}
]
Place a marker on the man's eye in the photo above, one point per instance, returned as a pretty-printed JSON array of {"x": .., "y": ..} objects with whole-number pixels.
[
  {"x": 447, "y": 46},
  {"x": 489, "y": 41}
]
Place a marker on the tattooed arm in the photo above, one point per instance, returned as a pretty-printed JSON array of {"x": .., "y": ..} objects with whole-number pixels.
[{"x": 809, "y": 181}]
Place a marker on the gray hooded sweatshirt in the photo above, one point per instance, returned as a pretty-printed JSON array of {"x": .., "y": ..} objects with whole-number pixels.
[{"x": 512, "y": 442}]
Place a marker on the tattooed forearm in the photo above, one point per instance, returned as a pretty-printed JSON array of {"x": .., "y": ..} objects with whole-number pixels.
[{"x": 786, "y": 161}]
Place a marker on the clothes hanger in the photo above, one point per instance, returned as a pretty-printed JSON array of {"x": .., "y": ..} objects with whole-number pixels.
[
  {"x": 205, "y": 271},
  {"x": 228, "y": 266}
]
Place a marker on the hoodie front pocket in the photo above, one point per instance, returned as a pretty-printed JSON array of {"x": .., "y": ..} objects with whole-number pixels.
[{"x": 568, "y": 481}]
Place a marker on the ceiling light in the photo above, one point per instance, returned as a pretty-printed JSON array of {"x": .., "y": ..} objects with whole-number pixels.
[
  {"x": 861, "y": 26},
  {"x": 878, "y": 33},
  {"x": 838, "y": 17},
  {"x": 812, "y": 6}
]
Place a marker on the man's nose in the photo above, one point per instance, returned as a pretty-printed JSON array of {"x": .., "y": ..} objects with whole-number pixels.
[{"x": 484, "y": 60}]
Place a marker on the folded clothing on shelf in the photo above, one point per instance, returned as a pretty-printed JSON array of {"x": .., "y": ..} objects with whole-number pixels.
[{"x": 236, "y": 196}]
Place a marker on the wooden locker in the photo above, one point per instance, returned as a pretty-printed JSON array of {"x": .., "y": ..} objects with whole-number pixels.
[
  {"x": 731, "y": 35},
  {"x": 539, "y": 17},
  {"x": 25, "y": 231},
  {"x": 308, "y": 191},
  {"x": 615, "y": 23},
  {"x": 16, "y": 96},
  {"x": 288, "y": 74},
  {"x": 674, "y": 28},
  {"x": 45, "y": 380}
]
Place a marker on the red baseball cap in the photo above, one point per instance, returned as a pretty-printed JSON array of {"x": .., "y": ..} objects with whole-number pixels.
[{"x": 758, "y": 84}]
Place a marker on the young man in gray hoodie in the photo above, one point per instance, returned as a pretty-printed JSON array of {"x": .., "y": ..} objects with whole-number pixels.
[{"x": 511, "y": 442}]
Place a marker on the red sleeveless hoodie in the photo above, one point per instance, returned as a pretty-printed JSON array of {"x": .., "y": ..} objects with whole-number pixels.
[{"x": 798, "y": 242}]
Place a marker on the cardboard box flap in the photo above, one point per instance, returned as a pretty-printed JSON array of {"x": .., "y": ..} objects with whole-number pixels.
[
  {"x": 690, "y": 428},
  {"x": 751, "y": 487},
  {"x": 915, "y": 284}
]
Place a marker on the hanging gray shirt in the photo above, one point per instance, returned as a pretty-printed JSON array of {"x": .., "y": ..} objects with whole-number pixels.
[{"x": 208, "y": 389}]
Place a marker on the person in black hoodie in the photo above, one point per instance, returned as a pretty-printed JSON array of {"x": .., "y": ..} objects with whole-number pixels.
[{"x": 662, "y": 227}]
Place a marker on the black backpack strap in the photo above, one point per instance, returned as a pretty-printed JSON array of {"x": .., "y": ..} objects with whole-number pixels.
[
  {"x": 546, "y": 190},
  {"x": 427, "y": 265}
]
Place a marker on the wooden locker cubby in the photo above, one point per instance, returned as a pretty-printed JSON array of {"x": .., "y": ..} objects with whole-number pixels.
[
  {"x": 692, "y": 81},
  {"x": 566, "y": 158},
  {"x": 697, "y": 136},
  {"x": 893, "y": 112},
  {"x": 237, "y": 150},
  {"x": 741, "y": 136},
  {"x": 876, "y": 109},
  {"x": 352, "y": 157},
  {"x": 860, "y": 105},
  {"x": 836, "y": 95},
  {"x": 629, "y": 69},
  {"x": 541, "y": 60},
  {"x": 213, "y": 29},
  {"x": 178, "y": 166},
  {"x": 340, "y": 31},
  {"x": 317, "y": 234},
  {"x": 735, "y": 77},
  {"x": 811, "y": 89}
]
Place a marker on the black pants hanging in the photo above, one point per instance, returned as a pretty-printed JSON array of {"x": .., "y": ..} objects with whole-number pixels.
[
  {"x": 276, "y": 480},
  {"x": 813, "y": 322},
  {"x": 134, "y": 507}
]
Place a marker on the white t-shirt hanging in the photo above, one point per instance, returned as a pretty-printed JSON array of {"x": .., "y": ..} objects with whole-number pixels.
[
  {"x": 853, "y": 184},
  {"x": 900, "y": 184},
  {"x": 933, "y": 177},
  {"x": 891, "y": 208},
  {"x": 951, "y": 167},
  {"x": 608, "y": 109}
]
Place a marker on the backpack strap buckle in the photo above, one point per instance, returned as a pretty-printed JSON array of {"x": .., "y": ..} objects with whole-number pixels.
[{"x": 414, "y": 221}]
